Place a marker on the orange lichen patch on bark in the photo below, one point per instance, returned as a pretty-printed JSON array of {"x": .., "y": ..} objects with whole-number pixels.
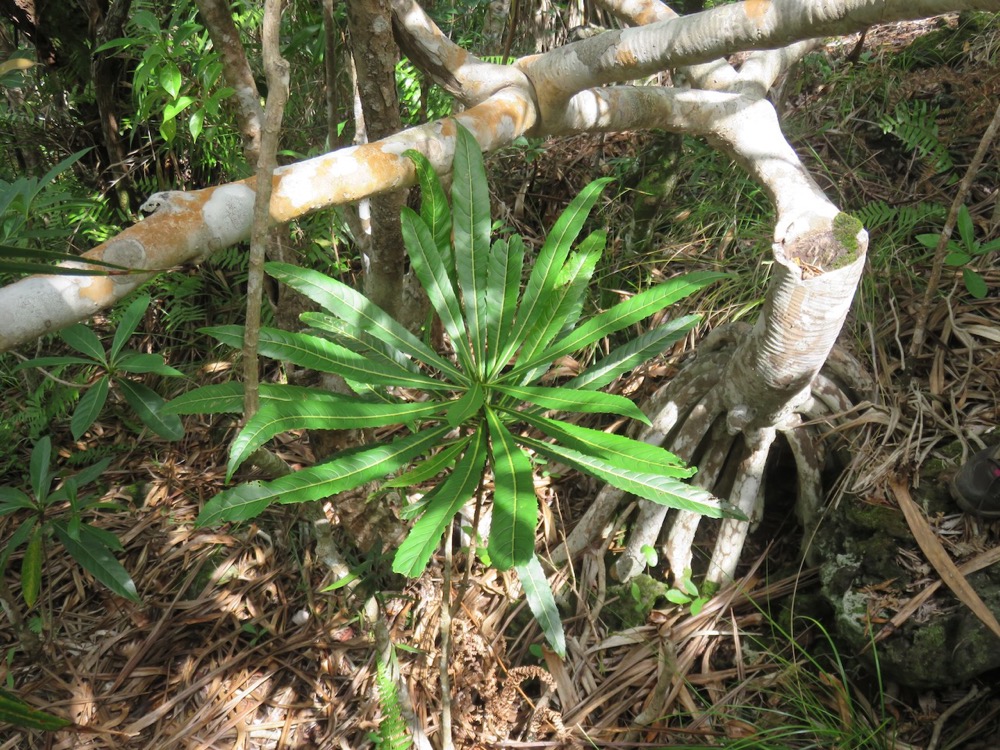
[
  {"x": 97, "y": 289},
  {"x": 756, "y": 9},
  {"x": 625, "y": 56},
  {"x": 337, "y": 178},
  {"x": 497, "y": 122}
]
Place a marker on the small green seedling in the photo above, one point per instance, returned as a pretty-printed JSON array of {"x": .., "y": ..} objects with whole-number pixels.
[
  {"x": 117, "y": 363},
  {"x": 687, "y": 594},
  {"x": 961, "y": 253},
  {"x": 60, "y": 513}
]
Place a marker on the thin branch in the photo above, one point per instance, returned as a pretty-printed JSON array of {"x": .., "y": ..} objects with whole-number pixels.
[
  {"x": 940, "y": 252},
  {"x": 218, "y": 20},
  {"x": 276, "y": 69}
]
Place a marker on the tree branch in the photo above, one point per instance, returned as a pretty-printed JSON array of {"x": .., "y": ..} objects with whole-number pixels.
[
  {"x": 460, "y": 73},
  {"x": 218, "y": 20}
]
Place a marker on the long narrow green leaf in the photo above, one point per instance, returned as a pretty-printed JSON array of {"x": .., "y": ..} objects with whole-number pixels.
[
  {"x": 19, "y": 714},
  {"x": 563, "y": 305},
  {"x": 95, "y": 558},
  {"x": 139, "y": 363},
  {"x": 635, "y": 352},
  {"x": 618, "y": 450},
  {"x": 565, "y": 399},
  {"x": 57, "y": 256},
  {"x": 425, "y": 536},
  {"x": 89, "y": 407},
  {"x": 515, "y": 506},
  {"x": 148, "y": 404},
  {"x": 341, "y": 332},
  {"x": 360, "y": 312},
  {"x": 128, "y": 323},
  {"x": 550, "y": 261},
  {"x": 621, "y": 316},
  {"x": 31, "y": 567},
  {"x": 434, "y": 207},
  {"x": 52, "y": 362},
  {"x": 227, "y": 398},
  {"x": 471, "y": 220},
  {"x": 433, "y": 276},
  {"x": 660, "y": 489},
  {"x": 325, "y": 356},
  {"x": 38, "y": 468},
  {"x": 275, "y": 417},
  {"x": 337, "y": 475},
  {"x": 430, "y": 467},
  {"x": 503, "y": 283},
  {"x": 19, "y": 537},
  {"x": 13, "y": 266},
  {"x": 542, "y": 604}
]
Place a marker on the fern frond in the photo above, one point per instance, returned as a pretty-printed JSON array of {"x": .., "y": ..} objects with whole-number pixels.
[{"x": 392, "y": 734}]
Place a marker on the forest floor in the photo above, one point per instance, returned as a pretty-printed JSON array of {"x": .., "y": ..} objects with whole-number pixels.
[{"x": 236, "y": 645}]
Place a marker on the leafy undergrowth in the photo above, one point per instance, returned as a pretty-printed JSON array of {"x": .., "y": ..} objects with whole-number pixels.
[{"x": 235, "y": 644}]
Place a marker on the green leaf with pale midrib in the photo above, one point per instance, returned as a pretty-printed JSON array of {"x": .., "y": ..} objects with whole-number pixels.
[
  {"x": 228, "y": 398},
  {"x": 658, "y": 488},
  {"x": 562, "y": 307},
  {"x": 620, "y": 316},
  {"x": 565, "y": 399},
  {"x": 20, "y": 714},
  {"x": 448, "y": 498},
  {"x": 340, "y": 300},
  {"x": 548, "y": 265},
  {"x": 542, "y": 604},
  {"x": 325, "y": 356},
  {"x": 503, "y": 283},
  {"x": 628, "y": 356},
  {"x": 434, "y": 207},
  {"x": 96, "y": 559},
  {"x": 617, "y": 450},
  {"x": 337, "y": 475},
  {"x": 148, "y": 404},
  {"x": 433, "y": 276},
  {"x": 342, "y": 414},
  {"x": 470, "y": 200},
  {"x": 515, "y": 506}
]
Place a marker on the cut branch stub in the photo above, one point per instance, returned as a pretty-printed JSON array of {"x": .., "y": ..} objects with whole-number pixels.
[{"x": 815, "y": 277}]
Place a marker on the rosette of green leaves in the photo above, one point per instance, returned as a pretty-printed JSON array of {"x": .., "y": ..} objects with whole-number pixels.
[
  {"x": 481, "y": 410},
  {"x": 118, "y": 363}
]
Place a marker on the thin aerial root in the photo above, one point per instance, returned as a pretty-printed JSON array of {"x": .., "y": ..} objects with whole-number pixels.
[
  {"x": 652, "y": 515},
  {"x": 680, "y": 541},
  {"x": 845, "y": 369},
  {"x": 746, "y": 496},
  {"x": 830, "y": 394},
  {"x": 672, "y": 403},
  {"x": 810, "y": 454},
  {"x": 677, "y": 550}
]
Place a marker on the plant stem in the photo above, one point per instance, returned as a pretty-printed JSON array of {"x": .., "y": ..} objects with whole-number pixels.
[
  {"x": 474, "y": 539},
  {"x": 940, "y": 252},
  {"x": 9, "y": 604},
  {"x": 447, "y": 743},
  {"x": 276, "y": 69}
]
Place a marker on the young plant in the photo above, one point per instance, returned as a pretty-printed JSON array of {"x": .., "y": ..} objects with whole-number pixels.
[
  {"x": 479, "y": 412},
  {"x": 116, "y": 363},
  {"x": 961, "y": 253},
  {"x": 60, "y": 513},
  {"x": 687, "y": 594}
]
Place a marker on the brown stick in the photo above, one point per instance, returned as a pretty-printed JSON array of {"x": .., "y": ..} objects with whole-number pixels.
[{"x": 920, "y": 326}]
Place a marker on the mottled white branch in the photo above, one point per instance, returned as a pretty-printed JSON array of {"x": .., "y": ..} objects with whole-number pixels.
[{"x": 460, "y": 73}]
